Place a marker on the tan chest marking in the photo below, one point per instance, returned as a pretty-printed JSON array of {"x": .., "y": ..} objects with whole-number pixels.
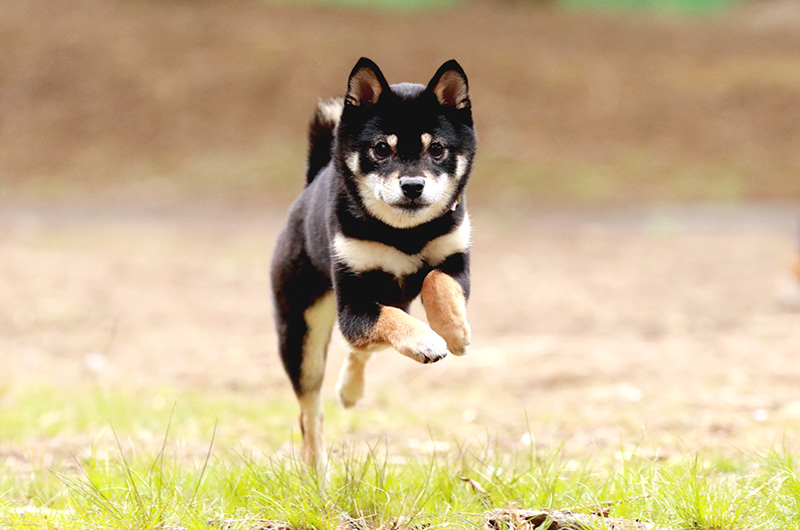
[{"x": 361, "y": 255}]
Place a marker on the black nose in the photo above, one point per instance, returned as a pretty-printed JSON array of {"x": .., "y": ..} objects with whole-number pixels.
[{"x": 412, "y": 186}]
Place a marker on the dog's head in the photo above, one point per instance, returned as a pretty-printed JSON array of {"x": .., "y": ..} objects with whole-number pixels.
[{"x": 406, "y": 150}]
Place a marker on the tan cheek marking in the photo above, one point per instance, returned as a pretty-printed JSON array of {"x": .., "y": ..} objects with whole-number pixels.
[
  {"x": 446, "y": 309},
  {"x": 461, "y": 166},
  {"x": 354, "y": 164}
]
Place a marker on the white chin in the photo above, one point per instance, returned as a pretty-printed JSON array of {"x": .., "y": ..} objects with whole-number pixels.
[{"x": 400, "y": 217}]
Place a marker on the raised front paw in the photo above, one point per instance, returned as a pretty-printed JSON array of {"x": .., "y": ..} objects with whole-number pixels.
[
  {"x": 458, "y": 337},
  {"x": 445, "y": 305},
  {"x": 406, "y": 334},
  {"x": 424, "y": 347}
]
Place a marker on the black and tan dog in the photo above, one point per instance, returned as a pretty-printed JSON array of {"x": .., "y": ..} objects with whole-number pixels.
[{"x": 382, "y": 219}]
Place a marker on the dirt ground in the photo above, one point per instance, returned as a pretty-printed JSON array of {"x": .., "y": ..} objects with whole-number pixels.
[
  {"x": 148, "y": 151},
  {"x": 592, "y": 328}
]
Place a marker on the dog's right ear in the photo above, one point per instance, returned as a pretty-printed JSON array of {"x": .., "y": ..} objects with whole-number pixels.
[{"x": 366, "y": 84}]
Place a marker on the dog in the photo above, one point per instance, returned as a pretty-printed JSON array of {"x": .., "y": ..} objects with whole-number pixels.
[{"x": 382, "y": 219}]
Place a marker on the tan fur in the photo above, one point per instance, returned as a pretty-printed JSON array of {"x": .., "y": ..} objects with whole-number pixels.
[
  {"x": 320, "y": 318},
  {"x": 312, "y": 450},
  {"x": 350, "y": 386},
  {"x": 446, "y": 309},
  {"x": 451, "y": 90},
  {"x": 426, "y": 141},
  {"x": 796, "y": 267},
  {"x": 365, "y": 88},
  {"x": 409, "y": 336}
]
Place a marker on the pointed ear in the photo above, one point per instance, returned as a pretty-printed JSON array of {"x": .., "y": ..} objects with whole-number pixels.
[
  {"x": 450, "y": 87},
  {"x": 366, "y": 84}
]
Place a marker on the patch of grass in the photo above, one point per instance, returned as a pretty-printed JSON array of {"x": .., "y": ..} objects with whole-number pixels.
[
  {"x": 192, "y": 472},
  {"x": 145, "y": 491}
]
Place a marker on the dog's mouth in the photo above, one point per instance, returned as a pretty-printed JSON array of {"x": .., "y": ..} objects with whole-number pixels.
[{"x": 411, "y": 205}]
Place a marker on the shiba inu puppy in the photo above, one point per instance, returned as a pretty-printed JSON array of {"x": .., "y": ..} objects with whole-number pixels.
[{"x": 381, "y": 220}]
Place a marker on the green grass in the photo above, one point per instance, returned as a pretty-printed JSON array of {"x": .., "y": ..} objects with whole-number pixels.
[{"x": 185, "y": 466}]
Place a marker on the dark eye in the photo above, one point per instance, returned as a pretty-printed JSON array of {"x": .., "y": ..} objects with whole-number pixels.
[
  {"x": 436, "y": 150},
  {"x": 381, "y": 150}
]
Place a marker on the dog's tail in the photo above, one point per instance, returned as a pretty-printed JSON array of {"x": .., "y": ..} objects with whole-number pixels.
[{"x": 320, "y": 135}]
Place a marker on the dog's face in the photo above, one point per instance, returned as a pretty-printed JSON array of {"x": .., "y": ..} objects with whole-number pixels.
[{"x": 406, "y": 150}]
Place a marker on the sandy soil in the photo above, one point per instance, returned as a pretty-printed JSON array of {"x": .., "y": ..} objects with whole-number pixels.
[{"x": 596, "y": 329}]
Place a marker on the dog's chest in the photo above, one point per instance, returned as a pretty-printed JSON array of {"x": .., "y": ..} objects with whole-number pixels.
[{"x": 361, "y": 255}]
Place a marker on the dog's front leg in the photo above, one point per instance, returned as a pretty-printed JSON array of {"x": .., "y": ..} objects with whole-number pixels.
[
  {"x": 444, "y": 299},
  {"x": 370, "y": 328}
]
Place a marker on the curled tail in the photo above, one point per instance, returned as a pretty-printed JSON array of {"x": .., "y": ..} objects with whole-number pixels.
[{"x": 320, "y": 135}]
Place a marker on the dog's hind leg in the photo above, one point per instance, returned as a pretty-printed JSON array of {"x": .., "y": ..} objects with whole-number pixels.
[
  {"x": 319, "y": 319},
  {"x": 304, "y": 343},
  {"x": 350, "y": 386}
]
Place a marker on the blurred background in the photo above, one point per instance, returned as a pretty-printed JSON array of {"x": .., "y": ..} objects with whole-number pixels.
[
  {"x": 577, "y": 101},
  {"x": 635, "y": 199}
]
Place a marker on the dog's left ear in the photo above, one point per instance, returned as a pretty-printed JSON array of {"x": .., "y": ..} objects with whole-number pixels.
[{"x": 450, "y": 87}]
